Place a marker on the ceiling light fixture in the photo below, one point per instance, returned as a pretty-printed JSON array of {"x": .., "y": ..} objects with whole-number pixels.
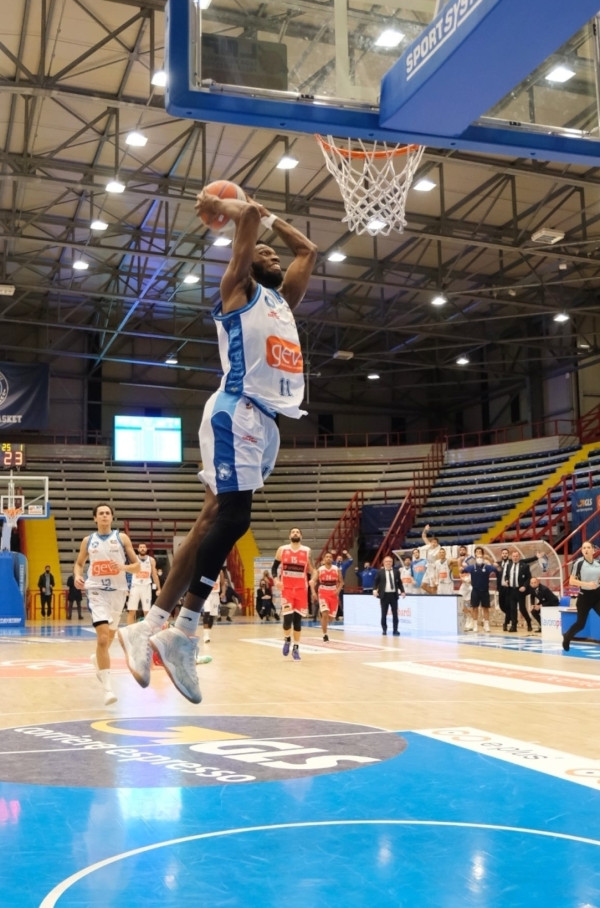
[
  {"x": 222, "y": 241},
  {"x": 389, "y": 37},
  {"x": 375, "y": 225},
  {"x": 191, "y": 279},
  {"x": 560, "y": 74},
  {"x": 136, "y": 139},
  {"x": 97, "y": 224},
  {"x": 462, "y": 360},
  {"x": 424, "y": 185},
  {"x": 171, "y": 359},
  {"x": 561, "y": 317},
  {"x": 159, "y": 79},
  {"x": 439, "y": 300},
  {"x": 336, "y": 257},
  {"x": 547, "y": 236},
  {"x": 115, "y": 186},
  {"x": 373, "y": 376},
  {"x": 7, "y": 289},
  {"x": 287, "y": 163},
  {"x": 80, "y": 265},
  {"x": 343, "y": 354}
]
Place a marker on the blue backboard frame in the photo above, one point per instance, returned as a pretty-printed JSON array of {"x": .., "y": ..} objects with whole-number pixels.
[{"x": 299, "y": 113}]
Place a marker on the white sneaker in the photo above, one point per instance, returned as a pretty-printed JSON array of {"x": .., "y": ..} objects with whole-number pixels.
[
  {"x": 475, "y": 628},
  {"x": 486, "y": 627},
  {"x": 203, "y": 660},
  {"x": 135, "y": 640},
  {"x": 109, "y": 697},
  {"x": 178, "y": 655}
]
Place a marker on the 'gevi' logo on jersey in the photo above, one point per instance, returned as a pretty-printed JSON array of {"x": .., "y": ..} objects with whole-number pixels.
[{"x": 283, "y": 354}]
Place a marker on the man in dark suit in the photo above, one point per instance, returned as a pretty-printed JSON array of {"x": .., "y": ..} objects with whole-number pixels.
[
  {"x": 387, "y": 588},
  {"x": 540, "y": 595},
  {"x": 517, "y": 583},
  {"x": 502, "y": 585}
]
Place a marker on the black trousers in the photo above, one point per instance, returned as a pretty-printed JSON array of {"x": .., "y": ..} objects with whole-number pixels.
[
  {"x": 46, "y": 600},
  {"x": 504, "y": 603},
  {"x": 517, "y": 602},
  {"x": 586, "y": 601},
  {"x": 386, "y": 601},
  {"x": 74, "y": 603}
]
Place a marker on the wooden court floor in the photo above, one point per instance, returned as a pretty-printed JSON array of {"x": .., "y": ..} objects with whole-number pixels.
[{"x": 455, "y": 771}]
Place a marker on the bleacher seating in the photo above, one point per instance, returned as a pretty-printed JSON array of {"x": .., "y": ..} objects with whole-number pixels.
[
  {"x": 470, "y": 495},
  {"x": 157, "y": 501},
  {"x": 311, "y": 490},
  {"x": 307, "y": 488}
]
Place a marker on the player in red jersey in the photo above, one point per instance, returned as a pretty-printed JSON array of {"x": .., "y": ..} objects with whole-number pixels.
[
  {"x": 292, "y": 569},
  {"x": 328, "y": 578}
]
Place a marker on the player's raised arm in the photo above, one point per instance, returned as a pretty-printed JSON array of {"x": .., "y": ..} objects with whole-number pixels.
[
  {"x": 237, "y": 283},
  {"x": 299, "y": 271}
]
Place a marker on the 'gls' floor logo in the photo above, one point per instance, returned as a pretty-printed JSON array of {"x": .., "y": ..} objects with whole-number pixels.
[{"x": 183, "y": 751}]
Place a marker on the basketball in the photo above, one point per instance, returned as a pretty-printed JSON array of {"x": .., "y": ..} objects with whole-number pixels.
[{"x": 225, "y": 189}]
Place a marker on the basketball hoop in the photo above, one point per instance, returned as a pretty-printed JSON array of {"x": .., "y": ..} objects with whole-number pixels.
[
  {"x": 374, "y": 194},
  {"x": 11, "y": 515}
]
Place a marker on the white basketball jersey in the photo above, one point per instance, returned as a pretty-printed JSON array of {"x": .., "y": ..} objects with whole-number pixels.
[
  {"x": 144, "y": 575},
  {"x": 101, "y": 551},
  {"x": 260, "y": 353}
]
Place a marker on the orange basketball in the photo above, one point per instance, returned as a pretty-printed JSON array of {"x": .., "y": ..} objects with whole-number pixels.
[{"x": 225, "y": 189}]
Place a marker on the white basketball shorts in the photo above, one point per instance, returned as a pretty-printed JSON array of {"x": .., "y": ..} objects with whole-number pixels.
[
  {"x": 140, "y": 594},
  {"x": 106, "y": 605},
  {"x": 238, "y": 444}
]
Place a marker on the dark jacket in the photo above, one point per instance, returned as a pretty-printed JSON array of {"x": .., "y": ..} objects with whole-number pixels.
[
  {"x": 543, "y": 595},
  {"x": 42, "y": 581},
  {"x": 380, "y": 581},
  {"x": 523, "y": 574}
]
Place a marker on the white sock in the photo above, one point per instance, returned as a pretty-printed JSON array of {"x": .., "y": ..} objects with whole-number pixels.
[
  {"x": 156, "y": 617},
  {"x": 105, "y": 679},
  {"x": 187, "y": 621}
]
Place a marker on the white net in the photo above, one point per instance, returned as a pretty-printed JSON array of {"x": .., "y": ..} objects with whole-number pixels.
[{"x": 374, "y": 180}]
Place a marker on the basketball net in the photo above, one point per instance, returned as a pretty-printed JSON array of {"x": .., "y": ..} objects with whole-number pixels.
[
  {"x": 12, "y": 508},
  {"x": 374, "y": 180}
]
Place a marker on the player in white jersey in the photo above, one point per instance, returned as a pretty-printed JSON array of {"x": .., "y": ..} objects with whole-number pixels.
[
  {"x": 432, "y": 552},
  {"x": 111, "y": 556},
  {"x": 140, "y": 591},
  {"x": 263, "y": 376}
]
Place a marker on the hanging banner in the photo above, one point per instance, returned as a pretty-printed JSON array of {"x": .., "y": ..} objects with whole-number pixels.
[
  {"x": 585, "y": 502},
  {"x": 23, "y": 396}
]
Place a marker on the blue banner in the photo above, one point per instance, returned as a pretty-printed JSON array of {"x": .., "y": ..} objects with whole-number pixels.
[
  {"x": 23, "y": 396},
  {"x": 585, "y": 502}
]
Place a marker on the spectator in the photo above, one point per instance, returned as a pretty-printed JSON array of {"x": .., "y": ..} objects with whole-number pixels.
[
  {"x": 432, "y": 551},
  {"x": 387, "y": 588},
  {"x": 540, "y": 595},
  {"x": 367, "y": 578},
  {"x": 342, "y": 562},
  {"x": 419, "y": 567},
  {"x": 228, "y": 598},
  {"x": 265, "y": 607},
  {"x": 480, "y": 573},
  {"x": 519, "y": 577},
  {"x": 442, "y": 575},
  {"x": 74, "y": 597},
  {"x": 407, "y": 576},
  {"x": 46, "y": 588}
]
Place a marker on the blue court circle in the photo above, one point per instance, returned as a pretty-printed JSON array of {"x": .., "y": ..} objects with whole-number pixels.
[{"x": 354, "y": 863}]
